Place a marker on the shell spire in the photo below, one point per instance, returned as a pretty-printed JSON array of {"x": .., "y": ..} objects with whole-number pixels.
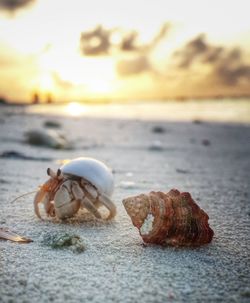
[{"x": 171, "y": 218}]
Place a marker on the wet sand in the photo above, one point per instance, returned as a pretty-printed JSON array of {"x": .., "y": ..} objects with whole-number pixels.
[{"x": 210, "y": 160}]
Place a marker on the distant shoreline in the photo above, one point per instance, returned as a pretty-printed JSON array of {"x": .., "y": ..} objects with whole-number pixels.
[
  {"x": 5, "y": 102},
  {"x": 213, "y": 110}
]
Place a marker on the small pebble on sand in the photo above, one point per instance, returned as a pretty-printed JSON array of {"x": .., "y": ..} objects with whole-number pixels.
[
  {"x": 47, "y": 138},
  {"x": 52, "y": 124},
  {"x": 206, "y": 142},
  {"x": 158, "y": 129},
  {"x": 127, "y": 184},
  {"x": 156, "y": 146}
]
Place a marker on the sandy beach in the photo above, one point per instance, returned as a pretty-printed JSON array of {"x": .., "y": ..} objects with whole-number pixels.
[{"x": 211, "y": 160}]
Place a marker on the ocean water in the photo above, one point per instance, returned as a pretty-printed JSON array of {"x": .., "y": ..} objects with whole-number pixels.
[{"x": 219, "y": 110}]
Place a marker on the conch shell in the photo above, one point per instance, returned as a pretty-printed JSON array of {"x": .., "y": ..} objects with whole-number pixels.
[{"x": 171, "y": 218}]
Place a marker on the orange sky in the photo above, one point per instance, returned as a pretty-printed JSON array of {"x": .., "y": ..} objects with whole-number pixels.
[{"x": 82, "y": 50}]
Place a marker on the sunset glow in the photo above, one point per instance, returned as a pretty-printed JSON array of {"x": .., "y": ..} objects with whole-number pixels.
[
  {"x": 162, "y": 49},
  {"x": 75, "y": 109}
]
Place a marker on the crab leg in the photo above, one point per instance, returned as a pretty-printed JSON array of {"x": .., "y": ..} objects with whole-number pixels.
[
  {"x": 109, "y": 204},
  {"x": 87, "y": 203},
  {"x": 94, "y": 195},
  {"x": 85, "y": 199},
  {"x": 12, "y": 236}
]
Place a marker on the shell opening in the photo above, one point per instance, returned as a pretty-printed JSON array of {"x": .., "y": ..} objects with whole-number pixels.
[{"x": 147, "y": 225}]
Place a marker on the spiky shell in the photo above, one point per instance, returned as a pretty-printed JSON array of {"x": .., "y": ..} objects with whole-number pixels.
[
  {"x": 93, "y": 171},
  {"x": 171, "y": 218}
]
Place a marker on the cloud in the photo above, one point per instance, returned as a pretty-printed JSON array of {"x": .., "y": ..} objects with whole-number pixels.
[
  {"x": 139, "y": 59},
  {"x": 227, "y": 65},
  {"x": 164, "y": 30},
  {"x": 63, "y": 84},
  {"x": 133, "y": 66},
  {"x": 128, "y": 41},
  {"x": 14, "y": 5},
  {"x": 95, "y": 42},
  {"x": 120, "y": 43},
  {"x": 231, "y": 69},
  {"x": 193, "y": 50},
  {"x": 101, "y": 41}
]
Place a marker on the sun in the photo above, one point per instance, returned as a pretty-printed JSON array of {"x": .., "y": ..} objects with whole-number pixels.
[{"x": 75, "y": 109}]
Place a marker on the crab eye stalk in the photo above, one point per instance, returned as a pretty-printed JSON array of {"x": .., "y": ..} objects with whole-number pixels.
[{"x": 59, "y": 174}]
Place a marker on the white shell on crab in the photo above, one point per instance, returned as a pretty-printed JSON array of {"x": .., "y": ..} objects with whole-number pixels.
[{"x": 93, "y": 171}]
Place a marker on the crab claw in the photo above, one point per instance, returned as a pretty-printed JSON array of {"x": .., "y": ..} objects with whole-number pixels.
[
  {"x": 44, "y": 196},
  {"x": 40, "y": 196},
  {"x": 45, "y": 191}
]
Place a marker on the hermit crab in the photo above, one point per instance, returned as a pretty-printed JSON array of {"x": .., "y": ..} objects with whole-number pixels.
[{"x": 81, "y": 183}]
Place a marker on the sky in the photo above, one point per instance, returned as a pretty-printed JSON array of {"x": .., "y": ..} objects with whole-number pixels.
[{"x": 79, "y": 50}]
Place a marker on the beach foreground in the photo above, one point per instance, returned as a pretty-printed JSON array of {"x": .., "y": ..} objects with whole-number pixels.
[{"x": 209, "y": 160}]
